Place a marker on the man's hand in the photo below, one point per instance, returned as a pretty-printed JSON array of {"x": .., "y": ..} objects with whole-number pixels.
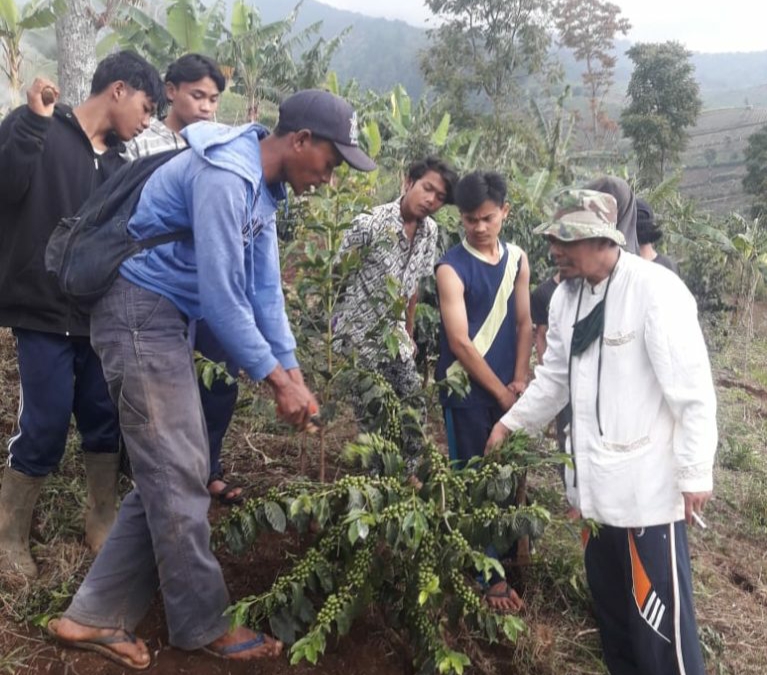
[
  {"x": 295, "y": 403},
  {"x": 511, "y": 393},
  {"x": 507, "y": 398},
  {"x": 572, "y": 514},
  {"x": 518, "y": 387},
  {"x": 497, "y": 435},
  {"x": 297, "y": 376},
  {"x": 414, "y": 345},
  {"x": 694, "y": 502},
  {"x": 41, "y": 96}
]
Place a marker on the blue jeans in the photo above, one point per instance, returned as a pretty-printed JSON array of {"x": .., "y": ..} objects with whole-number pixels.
[
  {"x": 59, "y": 376},
  {"x": 161, "y": 537}
]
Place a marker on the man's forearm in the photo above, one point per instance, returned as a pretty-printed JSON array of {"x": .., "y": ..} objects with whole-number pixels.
[{"x": 524, "y": 352}]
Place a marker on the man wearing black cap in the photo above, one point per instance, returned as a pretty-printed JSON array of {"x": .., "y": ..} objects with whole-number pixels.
[
  {"x": 225, "y": 192},
  {"x": 328, "y": 118},
  {"x": 648, "y": 232}
]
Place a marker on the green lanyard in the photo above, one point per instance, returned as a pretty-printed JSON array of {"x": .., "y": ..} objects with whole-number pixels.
[{"x": 585, "y": 331}]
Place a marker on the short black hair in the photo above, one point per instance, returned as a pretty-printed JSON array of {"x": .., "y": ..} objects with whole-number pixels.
[
  {"x": 194, "y": 67},
  {"x": 135, "y": 71},
  {"x": 648, "y": 233},
  {"x": 420, "y": 168},
  {"x": 475, "y": 188}
]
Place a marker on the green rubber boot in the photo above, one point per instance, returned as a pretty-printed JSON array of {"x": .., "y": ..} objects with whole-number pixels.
[
  {"x": 101, "y": 506},
  {"x": 18, "y": 496}
]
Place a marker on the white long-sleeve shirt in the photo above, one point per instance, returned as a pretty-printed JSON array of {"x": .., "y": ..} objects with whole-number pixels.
[{"x": 656, "y": 397}]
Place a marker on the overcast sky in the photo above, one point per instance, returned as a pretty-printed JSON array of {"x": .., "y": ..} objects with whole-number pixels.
[{"x": 701, "y": 25}]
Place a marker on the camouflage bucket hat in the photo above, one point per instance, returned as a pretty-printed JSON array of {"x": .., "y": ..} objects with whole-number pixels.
[{"x": 583, "y": 214}]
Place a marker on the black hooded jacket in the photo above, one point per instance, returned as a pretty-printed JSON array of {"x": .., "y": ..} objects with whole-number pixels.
[{"x": 48, "y": 168}]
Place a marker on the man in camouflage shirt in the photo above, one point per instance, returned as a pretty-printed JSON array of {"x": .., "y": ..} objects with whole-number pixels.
[
  {"x": 397, "y": 244},
  {"x": 626, "y": 351}
]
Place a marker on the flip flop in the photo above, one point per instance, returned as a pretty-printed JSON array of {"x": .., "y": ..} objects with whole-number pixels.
[
  {"x": 100, "y": 646},
  {"x": 239, "y": 647},
  {"x": 221, "y": 495}
]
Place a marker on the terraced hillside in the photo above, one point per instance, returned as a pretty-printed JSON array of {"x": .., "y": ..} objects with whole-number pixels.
[{"x": 714, "y": 161}]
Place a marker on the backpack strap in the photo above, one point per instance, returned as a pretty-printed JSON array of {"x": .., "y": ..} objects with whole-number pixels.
[{"x": 151, "y": 242}]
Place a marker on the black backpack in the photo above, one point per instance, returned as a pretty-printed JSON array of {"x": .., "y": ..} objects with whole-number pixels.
[{"x": 85, "y": 251}]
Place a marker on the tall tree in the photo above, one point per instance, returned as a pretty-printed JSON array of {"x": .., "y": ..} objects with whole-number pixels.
[
  {"x": 664, "y": 102},
  {"x": 14, "y": 22},
  {"x": 755, "y": 180},
  {"x": 77, "y": 27},
  {"x": 589, "y": 28},
  {"x": 485, "y": 49},
  {"x": 261, "y": 56}
]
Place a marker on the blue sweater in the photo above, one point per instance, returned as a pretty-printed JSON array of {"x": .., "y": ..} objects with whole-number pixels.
[{"x": 229, "y": 271}]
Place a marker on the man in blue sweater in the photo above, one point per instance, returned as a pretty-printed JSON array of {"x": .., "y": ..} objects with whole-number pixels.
[{"x": 225, "y": 191}]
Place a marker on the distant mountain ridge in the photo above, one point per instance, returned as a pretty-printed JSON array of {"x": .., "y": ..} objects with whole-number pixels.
[{"x": 380, "y": 53}]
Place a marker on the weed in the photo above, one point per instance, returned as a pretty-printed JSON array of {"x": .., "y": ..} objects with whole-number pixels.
[
  {"x": 737, "y": 455},
  {"x": 558, "y": 570},
  {"x": 754, "y": 505},
  {"x": 14, "y": 661},
  {"x": 713, "y": 645}
]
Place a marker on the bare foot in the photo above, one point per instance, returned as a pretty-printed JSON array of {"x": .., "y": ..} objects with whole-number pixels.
[
  {"x": 503, "y": 599},
  {"x": 125, "y": 649},
  {"x": 243, "y": 644}
]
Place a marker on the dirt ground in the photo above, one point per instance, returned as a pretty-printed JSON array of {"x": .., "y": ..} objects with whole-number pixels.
[{"x": 729, "y": 558}]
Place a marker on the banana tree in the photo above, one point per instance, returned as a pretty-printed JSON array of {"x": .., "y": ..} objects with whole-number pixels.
[
  {"x": 190, "y": 26},
  {"x": 15, "y": 21},
  {"x": 750, "y": 252},
  {"x": 261, "y": 55},
  {"x": 314, "y": 66},
  {"x": 412, "y": 131}
]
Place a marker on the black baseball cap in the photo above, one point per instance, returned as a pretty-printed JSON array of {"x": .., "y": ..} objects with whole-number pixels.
[{"x": 327, "y": 116}]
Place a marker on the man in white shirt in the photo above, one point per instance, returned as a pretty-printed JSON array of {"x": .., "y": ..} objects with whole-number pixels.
[{"x": 626, "y": 351}]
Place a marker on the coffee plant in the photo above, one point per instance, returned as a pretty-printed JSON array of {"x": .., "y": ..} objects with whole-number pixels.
[{"x": 411, "y": 544}]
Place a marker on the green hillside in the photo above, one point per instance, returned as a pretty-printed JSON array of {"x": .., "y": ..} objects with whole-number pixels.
[{"x": 379, "y": 53}]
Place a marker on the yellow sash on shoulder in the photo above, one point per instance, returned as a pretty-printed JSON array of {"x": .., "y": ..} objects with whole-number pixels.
[{"x": 487, "y": 333}]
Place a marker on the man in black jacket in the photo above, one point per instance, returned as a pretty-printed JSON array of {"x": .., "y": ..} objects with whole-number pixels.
[{"x": 52, "y": 158}]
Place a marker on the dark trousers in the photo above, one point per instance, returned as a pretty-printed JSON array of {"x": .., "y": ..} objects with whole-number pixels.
[
  {"x": 219, "y": 401},
  {"x": 468, "y": 430},
  {"x": 640, "y": 580},
  {"x": 59, "y": 376}
]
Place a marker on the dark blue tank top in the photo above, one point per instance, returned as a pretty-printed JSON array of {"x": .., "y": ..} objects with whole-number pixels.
[{"x": 481, "y": 281}]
